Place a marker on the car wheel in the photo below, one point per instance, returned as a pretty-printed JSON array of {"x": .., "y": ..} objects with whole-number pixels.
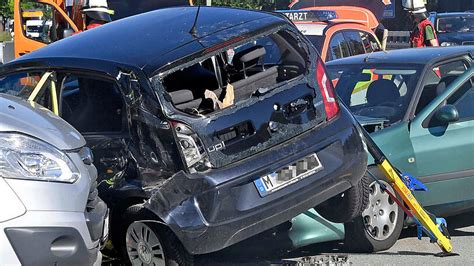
[
  {"x": 348, "y": 205},
  {"x": 379, "y": 226},
  {"x": 151, "y": 243}
]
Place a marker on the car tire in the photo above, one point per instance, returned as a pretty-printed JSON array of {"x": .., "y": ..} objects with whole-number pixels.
[
  {"x": 368, "y": 234},
  {"x": 150, "y": 243},
  {"x": 348, "y": 205}
]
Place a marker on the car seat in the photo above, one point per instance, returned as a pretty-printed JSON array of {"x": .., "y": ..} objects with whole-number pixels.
[{"x": 382, "y": 91}]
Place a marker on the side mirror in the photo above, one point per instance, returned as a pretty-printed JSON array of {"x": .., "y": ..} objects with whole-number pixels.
[
  {"x": 67, "y": 33},
  {"x": 447, "y": 114}
]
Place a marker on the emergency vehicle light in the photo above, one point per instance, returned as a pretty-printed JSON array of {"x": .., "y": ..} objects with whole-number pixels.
[{"x": 309, "y": 15}]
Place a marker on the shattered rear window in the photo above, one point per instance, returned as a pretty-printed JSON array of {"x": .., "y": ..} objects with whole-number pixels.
[{"x": 236, "y": 74}]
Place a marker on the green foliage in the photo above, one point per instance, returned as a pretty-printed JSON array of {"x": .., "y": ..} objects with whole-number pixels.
[
  {"x": 250, "y": 4},
  {"x": 6, "y": 8},
  {"x": 4, "y": 36}
]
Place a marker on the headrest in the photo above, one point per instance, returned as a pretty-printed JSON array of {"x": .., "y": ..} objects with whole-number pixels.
[
  {"x": 181, "y": 96},
  {"x": 249, "y": 57},
  {"x": 382, "y": 90},
  {"x": 444, "y": 82}
]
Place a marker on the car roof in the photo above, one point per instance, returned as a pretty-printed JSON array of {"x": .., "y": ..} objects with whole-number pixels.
[
  {"x": 404, "y": 56},
  {"x": 152, "y": 40}
]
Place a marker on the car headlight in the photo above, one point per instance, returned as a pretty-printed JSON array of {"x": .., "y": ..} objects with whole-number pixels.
[
  {"x": 448, "y": 44},
  {"x": 23, "y": 157}
]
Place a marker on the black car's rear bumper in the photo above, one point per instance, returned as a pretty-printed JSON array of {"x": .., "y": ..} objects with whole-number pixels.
[{"x": 213, "y": 210}]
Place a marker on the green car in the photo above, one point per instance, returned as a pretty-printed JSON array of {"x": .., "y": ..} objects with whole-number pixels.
[{"x": 419, "y": 109}]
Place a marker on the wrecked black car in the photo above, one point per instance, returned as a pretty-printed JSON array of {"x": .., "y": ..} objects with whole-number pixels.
[{"x": 208, "y": 125}]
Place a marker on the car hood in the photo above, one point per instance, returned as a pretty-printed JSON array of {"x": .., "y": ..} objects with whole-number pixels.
[
  {"x": 17, "y": 115},
  {"x": 457, "y": 37}
]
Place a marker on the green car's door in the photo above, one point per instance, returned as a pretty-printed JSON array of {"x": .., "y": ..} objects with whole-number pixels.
[{"x": 444, "y": 147}]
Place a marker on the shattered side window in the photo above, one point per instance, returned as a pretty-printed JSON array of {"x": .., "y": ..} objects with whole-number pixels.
[{"x": 236, "y": 74}]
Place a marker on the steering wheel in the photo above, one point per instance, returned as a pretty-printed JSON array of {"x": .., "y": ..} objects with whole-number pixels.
[
  {"x": 389, "y": 104},
  {"x": 377, "y": 111}
]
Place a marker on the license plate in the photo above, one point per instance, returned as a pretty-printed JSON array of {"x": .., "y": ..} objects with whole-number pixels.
[{"x": 288, "y": 175}]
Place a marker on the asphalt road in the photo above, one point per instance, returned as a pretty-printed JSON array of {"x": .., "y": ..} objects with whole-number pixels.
[
  {"x": 407, "y": 251},
  {"x": 263, "y": 251}
]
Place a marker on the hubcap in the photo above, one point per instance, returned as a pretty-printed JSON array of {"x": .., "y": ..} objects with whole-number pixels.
[
  {"x": 381, "y": 215},
  {"x": 143, "y": 245}
]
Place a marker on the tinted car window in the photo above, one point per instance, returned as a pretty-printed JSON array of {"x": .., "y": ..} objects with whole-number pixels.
[
  {"x": 463, "y": 100},
  {"x": 338, "y": 47},
  {"x": 456, "y": 24},
  {"x": 20, "y": 84},
  {"x": 91, "y": 105},
  {"x": 369, "y": 42},
  {"x": 355, "y": 42},
  {"x": 453, "y": 68},
  {"x": 437, "y": 80}
]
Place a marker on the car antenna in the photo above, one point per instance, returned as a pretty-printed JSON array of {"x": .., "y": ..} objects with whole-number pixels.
[
  {"x": 366, "y": 59},
  {"x": 193, "y": 30}
]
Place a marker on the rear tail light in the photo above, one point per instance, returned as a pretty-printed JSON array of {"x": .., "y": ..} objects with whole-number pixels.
[
  {"x": 327, "y": 90},
  {"x": 191, "y": 148}
]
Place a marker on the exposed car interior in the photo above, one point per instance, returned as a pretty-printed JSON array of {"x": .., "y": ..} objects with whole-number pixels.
[
  {"x": 250, "y": 69},
  {"x": 437, "y": 80},
  {"x": 377, "y": 92},
  {"x": 91, "y": 105}
]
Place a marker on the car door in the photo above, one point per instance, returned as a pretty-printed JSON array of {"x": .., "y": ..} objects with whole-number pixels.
[
  {"x": 444, "y": 151},
  {"x": 95, "y": 107}
]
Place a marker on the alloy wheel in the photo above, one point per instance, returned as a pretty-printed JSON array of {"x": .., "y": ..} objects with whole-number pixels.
[
  {"x": 144, "y": 246},
  {"x": 380, "y": 216}
]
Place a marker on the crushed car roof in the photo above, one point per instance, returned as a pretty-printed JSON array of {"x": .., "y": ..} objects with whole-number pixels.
[
  {"x": 152, "y": 40},
  {"x": 404, "y": 56}
]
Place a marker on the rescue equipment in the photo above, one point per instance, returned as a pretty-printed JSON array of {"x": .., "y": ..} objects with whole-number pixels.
[{"x": 404, "y": 184}]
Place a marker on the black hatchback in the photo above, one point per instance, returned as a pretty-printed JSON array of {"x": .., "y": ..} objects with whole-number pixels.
[{"x": 208, "y": 125}]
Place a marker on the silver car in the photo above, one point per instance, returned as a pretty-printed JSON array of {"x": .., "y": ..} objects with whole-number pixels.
[{"x": 50, "y": 213}]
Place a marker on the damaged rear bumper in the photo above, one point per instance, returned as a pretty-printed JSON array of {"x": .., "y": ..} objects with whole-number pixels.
[{"x": 213, "y": 210}]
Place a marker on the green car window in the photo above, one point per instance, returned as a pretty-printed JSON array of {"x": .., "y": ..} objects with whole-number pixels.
[{"x": 463, "y": 100}]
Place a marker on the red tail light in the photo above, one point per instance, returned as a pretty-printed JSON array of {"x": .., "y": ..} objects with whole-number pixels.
[
  {"x": 191, "y": 147},
  {"x": 327, "y": 91}
]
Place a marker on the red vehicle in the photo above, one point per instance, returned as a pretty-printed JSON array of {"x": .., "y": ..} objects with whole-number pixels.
[{"x": 338, "y": 31}]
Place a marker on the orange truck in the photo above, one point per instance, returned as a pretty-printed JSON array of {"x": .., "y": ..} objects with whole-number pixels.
[{"x": 54, "y": 20}]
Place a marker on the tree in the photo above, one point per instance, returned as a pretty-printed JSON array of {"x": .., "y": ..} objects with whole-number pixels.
[
  {"x": 6, "y": 8},
  {"x": 6, "y": 11},
  {"x": 250, "y": 4}
]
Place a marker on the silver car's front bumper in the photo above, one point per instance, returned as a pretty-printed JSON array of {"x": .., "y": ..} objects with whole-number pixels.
[
  {"x": 60, "y": 238},
  {"x": 52, "y": 223}
]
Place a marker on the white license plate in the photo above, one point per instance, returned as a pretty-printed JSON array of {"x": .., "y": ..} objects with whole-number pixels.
[{"x": 288, "y": 175}]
